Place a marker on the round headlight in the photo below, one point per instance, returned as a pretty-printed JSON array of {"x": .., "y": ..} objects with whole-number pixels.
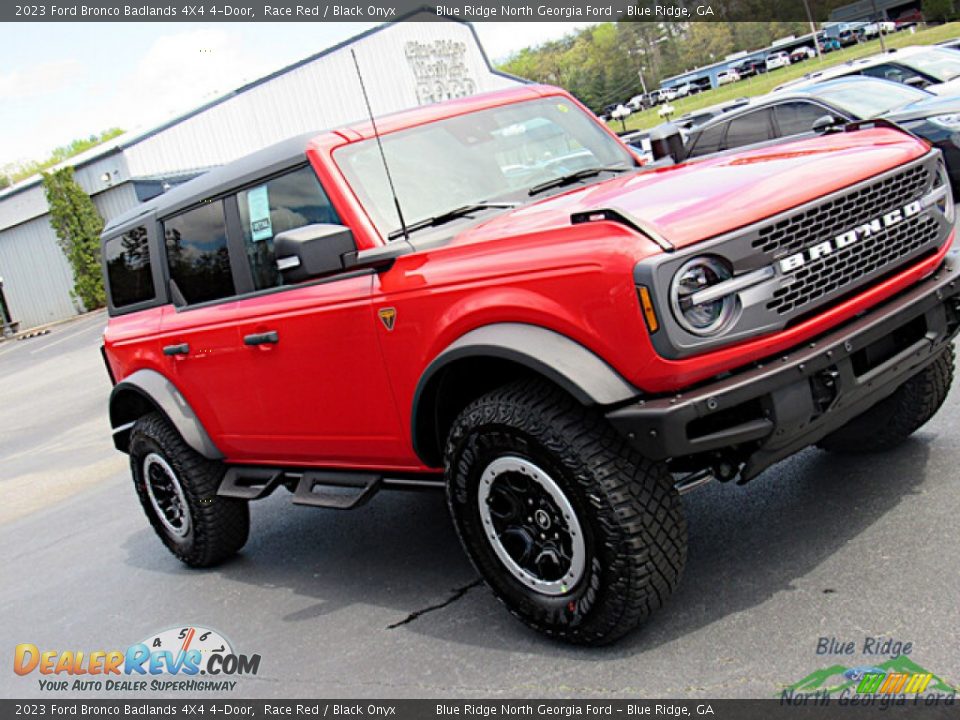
[{"x": 699, "y": 316}]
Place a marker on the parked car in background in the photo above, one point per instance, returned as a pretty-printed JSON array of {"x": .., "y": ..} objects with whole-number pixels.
[
  {"x": 931, "y": 117},
  {"x": 688, "y": 89},
  {"x": 725, "y": 77},
  {"x": 639, "y": 142},
  {"x": 936, "y": 69},
  {"x": 777, "y": 60},
  {"x": 640, "y": 102},
  {"x": 749, "y": 68},
  {"x": 828, "y": 44},
  {"x": 908, "y": 19},
  {"x": 874, "y": 29},
  {"x": 849, "y": 36},
  {"x": 804, "y": 52}
]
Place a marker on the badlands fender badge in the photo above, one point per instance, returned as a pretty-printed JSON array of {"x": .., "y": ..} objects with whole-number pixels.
[
  {"x": 388, "y": 316},
  {"x": 850, "y": 237}
]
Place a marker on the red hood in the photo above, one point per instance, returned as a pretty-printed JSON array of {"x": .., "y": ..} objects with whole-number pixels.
[{"x": 698, "y": 200}]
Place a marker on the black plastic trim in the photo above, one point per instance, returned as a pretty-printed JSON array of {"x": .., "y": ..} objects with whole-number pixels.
[
  {"x": 573, "y": 367},
  {"x": 660, "y": 427}
]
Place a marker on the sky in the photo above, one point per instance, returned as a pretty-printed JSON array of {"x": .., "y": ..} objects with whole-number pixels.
[{"x": 63, "y": 81}]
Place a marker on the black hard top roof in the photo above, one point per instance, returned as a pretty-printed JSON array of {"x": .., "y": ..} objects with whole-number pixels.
[{"x": 235, "y": 174}]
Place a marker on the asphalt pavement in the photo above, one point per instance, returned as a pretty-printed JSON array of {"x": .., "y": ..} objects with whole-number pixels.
[{"x": 381, "y": 601}]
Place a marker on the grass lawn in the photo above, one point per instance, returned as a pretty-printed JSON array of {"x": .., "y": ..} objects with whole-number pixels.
[{"x": 759, "y": 85}]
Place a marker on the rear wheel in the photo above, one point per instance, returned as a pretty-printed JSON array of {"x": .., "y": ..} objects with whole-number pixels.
[
  {"x": 177, "y": 488},
  {"x": 578, "y": 535},
  {"x": 894, "y": 419}
]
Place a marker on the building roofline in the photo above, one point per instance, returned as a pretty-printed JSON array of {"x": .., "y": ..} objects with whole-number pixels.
[{"x": 110, "y": 147}]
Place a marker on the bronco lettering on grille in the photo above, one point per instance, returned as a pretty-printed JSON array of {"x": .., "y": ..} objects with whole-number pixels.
[{"x": 867, "y": 229}]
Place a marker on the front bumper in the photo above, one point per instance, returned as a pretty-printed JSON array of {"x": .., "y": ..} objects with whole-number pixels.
[{"x": 773, "y": 409}]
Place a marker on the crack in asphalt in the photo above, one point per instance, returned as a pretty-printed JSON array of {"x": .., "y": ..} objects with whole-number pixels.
[{"x": 457, "y": 594}]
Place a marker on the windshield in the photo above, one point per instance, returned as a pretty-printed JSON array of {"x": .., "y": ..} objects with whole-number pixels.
[
  {"x": 937, "y": 62},
  {"x": 868, "y": 98},
  {"x": 481, "y": 156}
]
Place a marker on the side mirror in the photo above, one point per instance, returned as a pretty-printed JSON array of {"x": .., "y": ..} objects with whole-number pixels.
[
  {"x": 828, "y": 124},
  {"x": 666, "y": 142},
  {"x": 312, "y": 250},
  {"x": 916, "y": 82}
]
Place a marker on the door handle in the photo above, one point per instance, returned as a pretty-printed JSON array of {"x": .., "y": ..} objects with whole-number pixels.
[
  {"x": 270, "y": 337},
  {"x": 181, "y": 349}
]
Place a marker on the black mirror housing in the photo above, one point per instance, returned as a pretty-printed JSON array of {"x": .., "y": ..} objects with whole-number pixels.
[
  {"x": 312, "y": 250},
  {"x": 828, "y": 123}
]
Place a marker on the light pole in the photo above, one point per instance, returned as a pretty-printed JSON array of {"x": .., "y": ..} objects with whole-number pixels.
[
  {"x": 876, "y": 20},
  {"x": 813, "y": 29},
  {"x": 643, "y": 82}
]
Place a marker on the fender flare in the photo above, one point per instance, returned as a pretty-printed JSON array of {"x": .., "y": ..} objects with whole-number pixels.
[
  {"x": 128, "y": 399},
  {"x": 573, "y": 367}
]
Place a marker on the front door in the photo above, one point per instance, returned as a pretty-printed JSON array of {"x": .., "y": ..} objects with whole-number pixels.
[{"x": 310, "y": 351}]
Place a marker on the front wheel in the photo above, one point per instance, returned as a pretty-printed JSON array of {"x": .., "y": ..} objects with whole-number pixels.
[
  {"x": 177, "y": 488},
  {"x": 579, "y": 536}
]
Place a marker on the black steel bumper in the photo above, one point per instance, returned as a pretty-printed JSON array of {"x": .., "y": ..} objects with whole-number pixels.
[{"x": 773, "y": 409}]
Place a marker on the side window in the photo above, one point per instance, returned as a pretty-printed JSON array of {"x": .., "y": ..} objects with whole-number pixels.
[
  {"x": 196, "y": 244},
  {"x": 750, "y": 128},
  {"x": 709, "y": 141},
  {"x": 794, "y": 118},
  {"x": 128, "y": 267},
  {"x": 284, "y": 203},
  {"x": 894, "y": 73}
]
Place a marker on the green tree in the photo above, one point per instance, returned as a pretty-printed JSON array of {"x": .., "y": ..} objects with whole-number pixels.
[
  {"x": 937, "y": 10},
  {"x": 4, "y": 182},
  {"x": 23, "y": 170},
  {"x": 77, "y": 223},
  {"x": 707, "y": 42}
]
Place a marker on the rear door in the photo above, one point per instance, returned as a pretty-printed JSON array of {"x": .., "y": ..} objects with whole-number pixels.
[
  {"x": 748, "y": 129},
  {"x": 199, "y": 336}
]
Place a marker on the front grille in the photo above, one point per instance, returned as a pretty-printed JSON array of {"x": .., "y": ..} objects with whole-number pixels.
[
  {"x": 835, "y": 216},
  {"x": 848, "y": 265},
  {"x": 844, "y": 267},
  {"x": 821, "y": 253}
]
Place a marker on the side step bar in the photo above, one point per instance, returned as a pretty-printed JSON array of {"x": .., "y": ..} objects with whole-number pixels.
[
  {"x": 249, "y": 483},
  {"x": 337, "y": 489}
]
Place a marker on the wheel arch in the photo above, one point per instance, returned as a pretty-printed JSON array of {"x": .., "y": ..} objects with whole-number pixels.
[
  {"x": 146, "y": 391},
  {"x": 492, "y": 355}
]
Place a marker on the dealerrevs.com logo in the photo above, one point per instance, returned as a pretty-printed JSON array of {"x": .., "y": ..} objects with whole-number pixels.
[{"x": 189, "y": 659}]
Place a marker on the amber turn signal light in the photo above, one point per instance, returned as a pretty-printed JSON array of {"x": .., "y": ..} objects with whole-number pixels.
[{"x": 646, "y": 304}]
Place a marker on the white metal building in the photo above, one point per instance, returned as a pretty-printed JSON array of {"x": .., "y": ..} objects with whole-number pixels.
[{"x": 405, "y": 63}]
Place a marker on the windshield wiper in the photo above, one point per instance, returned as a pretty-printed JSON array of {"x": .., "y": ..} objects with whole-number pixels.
[
  {"x": 449, "y": 215},
  {"x": 573, "y": 177}
]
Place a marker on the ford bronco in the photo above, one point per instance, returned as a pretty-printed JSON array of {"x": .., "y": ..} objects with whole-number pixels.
[{"x": 493, "y": 296}]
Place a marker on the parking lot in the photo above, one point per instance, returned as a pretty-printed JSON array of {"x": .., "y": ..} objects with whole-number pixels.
[{"x": 382, "y": 602}]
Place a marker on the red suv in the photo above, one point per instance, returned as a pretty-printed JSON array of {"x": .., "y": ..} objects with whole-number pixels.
[{"x": 492, "y": 296}]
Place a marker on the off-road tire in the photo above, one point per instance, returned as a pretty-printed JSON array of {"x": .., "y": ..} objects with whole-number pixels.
[
  {"x": 894, "y": 419},
  {"x": 218, "y": 526},
  {"x": 631, "y": 515}
]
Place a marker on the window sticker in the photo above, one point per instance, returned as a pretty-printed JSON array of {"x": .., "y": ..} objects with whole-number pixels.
[{"x": 258, "y": 203}]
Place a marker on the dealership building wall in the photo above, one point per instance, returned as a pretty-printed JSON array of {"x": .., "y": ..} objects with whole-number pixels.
[{"x": 404, "y": 64}]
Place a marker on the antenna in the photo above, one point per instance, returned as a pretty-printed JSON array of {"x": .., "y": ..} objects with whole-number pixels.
[{"x": 383, "y": 156}]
